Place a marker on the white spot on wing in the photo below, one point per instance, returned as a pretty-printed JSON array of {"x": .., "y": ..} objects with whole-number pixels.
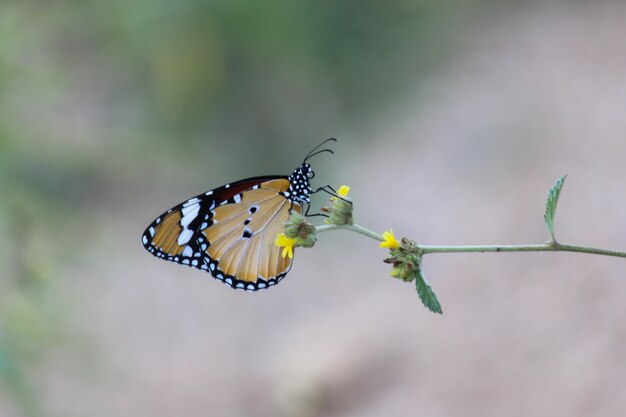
[
  {"x": 144, "y": 240},
  {"x": 188, "y": 209},
  {"x": 191, "y": 214},
  {"x": 151, "y": 230},
  {"x": 237, "y": 198},
  {"x": 191, "y": 202},
  {"x": 184, "y": 237},
  {"x": 188, "y": 251}
]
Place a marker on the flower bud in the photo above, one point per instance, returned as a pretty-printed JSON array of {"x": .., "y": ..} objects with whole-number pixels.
[
  {"x": 405, "y": 259},
  {"x": 299, "y": 228},
  {"x": 340, "y": 208}
]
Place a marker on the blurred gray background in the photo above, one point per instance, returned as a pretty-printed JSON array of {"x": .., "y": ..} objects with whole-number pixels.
[{"x": 454, "y": 120}]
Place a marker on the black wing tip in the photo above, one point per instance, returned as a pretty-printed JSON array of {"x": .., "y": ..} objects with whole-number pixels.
[{"x": 146, "y": 240}]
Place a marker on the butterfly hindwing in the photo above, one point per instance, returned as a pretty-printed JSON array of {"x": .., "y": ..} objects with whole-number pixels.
[{"x": 239, "y": 243}]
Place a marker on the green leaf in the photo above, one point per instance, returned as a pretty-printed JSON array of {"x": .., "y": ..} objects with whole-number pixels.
[
  {"x": 426, "y": 293},
  {"x": 553, "y": 199}
]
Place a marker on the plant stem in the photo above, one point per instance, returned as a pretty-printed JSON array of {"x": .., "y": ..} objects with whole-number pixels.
[
  {"x": 352, "y": 227},
  {"x": 546, "y": 247}
]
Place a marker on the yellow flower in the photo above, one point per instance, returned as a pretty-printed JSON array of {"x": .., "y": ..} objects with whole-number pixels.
[
  {"x": 286, "y": 243},
  {"x": 343, "y": 191},
  {"x": 390, "y": 240}
]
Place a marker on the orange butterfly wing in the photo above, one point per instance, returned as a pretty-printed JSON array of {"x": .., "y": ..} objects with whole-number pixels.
[{"x": 229, "y": 232}]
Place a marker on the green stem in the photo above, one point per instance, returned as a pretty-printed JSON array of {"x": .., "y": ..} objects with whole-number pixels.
[
  {"x": 352, "y": 227},
  {"x": 546, "y": 247}
]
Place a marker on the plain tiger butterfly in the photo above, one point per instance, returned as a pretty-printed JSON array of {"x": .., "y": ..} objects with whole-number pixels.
[{"x": 230, "y": 231}]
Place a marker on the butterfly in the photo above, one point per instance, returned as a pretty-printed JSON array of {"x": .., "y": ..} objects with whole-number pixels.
[{"x": 230, "y": 231}]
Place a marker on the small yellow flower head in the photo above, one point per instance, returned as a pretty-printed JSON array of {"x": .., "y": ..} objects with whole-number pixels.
[
  {"x": 343, "y": 191},
  {"x": 390, "y": 241},
  {"x": 286, "y": 243},
  {"x": 340, "y": 209}
]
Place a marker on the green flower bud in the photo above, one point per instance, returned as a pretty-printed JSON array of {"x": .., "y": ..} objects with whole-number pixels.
[{"x": 297, "y": 227}]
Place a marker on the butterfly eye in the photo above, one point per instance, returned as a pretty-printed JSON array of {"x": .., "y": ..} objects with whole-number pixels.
[{"x": 310, "y": 174}]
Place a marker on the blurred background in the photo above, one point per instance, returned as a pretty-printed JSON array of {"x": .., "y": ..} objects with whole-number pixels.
[{"x": 454, "y": 119}]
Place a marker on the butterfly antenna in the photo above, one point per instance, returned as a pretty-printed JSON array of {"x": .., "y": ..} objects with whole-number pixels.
[
  {"x": 313, "y": 153},
  {"x": 318, "y": 152}
]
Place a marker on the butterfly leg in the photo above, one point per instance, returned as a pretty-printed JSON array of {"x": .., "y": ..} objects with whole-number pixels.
[
  {"x": 330, "y": 190},
  {"x": 306, "y": 213}
]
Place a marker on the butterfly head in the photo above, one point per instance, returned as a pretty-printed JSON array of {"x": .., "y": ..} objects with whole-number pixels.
[{"x": 300, "y": 184}]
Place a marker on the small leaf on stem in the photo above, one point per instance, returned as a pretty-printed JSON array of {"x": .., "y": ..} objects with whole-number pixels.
[
  {"x": 426, "y": 293},
  {"x": 553, "y": 199}
]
